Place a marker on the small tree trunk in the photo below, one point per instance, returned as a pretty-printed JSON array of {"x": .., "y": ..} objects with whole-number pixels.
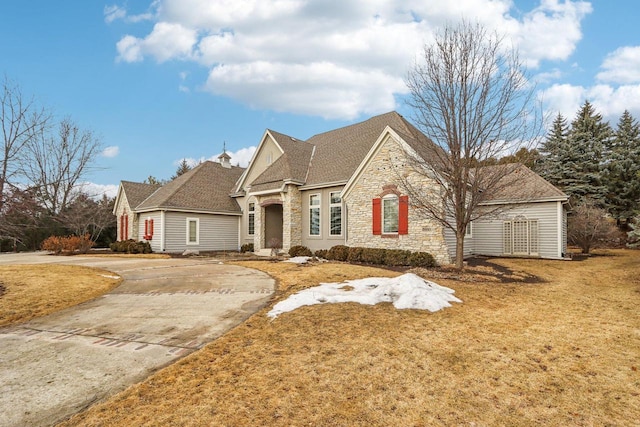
[{"x": 459, "y": 250}]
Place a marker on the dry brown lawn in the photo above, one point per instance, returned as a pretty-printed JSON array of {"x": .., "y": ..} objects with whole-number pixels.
[
  {"x": 540, "y": 343},
  {"x": 28, "y": 291}
]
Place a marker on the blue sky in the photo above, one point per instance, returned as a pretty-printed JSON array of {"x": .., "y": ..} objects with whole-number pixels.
[{"x": 170, "y": 79}]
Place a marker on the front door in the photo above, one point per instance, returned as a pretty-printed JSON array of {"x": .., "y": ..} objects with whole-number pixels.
[{"x": 273, "y": 226}]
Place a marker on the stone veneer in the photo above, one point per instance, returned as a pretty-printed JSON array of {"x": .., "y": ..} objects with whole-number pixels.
[
  {"x": 424, "y": 235},
  {"x": 291, "y": 218},
  {"x": 124, "y": 209}
]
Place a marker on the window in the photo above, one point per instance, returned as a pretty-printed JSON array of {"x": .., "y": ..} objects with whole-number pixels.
[
  {"x": 314, "y": 215},
  {"x": 193, "y": 231},
  {"x": 124, "y": 227},
  {"x": 335, "y": 211},
  {"x": 252, "y": 219},
  {"x": 148, "y": 229},
  {"x": 390, "y": 215},
  {"x": 468, "y": 232},
  {"x": 269, "y": 158}
]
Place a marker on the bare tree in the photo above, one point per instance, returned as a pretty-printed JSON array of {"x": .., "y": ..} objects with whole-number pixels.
[
  {"x": 470, "y": 95},
  {"x": 588, "y": 226},
  {"x": 85, "y": 216},
  {"x": 20, "y": 216},
  {"x": 21, "y": 121},
  {"x": 57, "y": 163}
]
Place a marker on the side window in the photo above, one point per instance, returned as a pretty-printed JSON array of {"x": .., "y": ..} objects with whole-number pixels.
[
  {"x": 335, "y": 212},
  {"x": 314, "y": 215},
  {"x": 193, "y": 231},
  {"x": 390, "y": 214},
  {"x": 252, "y": 219}
]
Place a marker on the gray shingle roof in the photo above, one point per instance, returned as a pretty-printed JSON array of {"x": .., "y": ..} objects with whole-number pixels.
[
  {"x": 204, "y": 188},
  {"x": 137, "y": 192},
  {"x": 519, "y": 183}
]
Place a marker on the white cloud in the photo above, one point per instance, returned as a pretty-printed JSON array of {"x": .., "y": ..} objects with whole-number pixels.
[
  {"x": 608, "y": 100},
  {"x": 113, "y": 12},
  {"x": 336, "y": 58},
  {"x": 621, "y": 66},
  {"x": 111, "y": 151},
  {"x": 98, "y": 190},
  {"x": 241, "y": 158}
]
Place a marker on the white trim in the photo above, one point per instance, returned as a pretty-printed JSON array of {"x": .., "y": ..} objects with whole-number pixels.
[
  {"x": 244, "y": 175},
  {"x": 265, "y": 192},
  {"x": 559, "y": 229},
  {"x": 323, "y": 185},
  {"x": 249, "y": 213},
  {"x": 335, "y": 205},
  {"x": 525, "y": 201},
  {"x": 162, "y": 222},
  {"x": 397, "y": 199},
  {"x": 187, "y": 210},
  {"x": 319, "y": 208},
  {"x": 197, "y": 221}
]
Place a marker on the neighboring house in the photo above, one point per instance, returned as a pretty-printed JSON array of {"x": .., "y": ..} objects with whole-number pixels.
[{"x": 341, "y": 187}]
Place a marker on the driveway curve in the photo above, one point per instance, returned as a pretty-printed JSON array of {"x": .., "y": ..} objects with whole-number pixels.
[{"x": 54, "y": 366}]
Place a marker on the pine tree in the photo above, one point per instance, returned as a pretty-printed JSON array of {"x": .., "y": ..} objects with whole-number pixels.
[
  {"x": 554, "y": 150},
  {"x": 183, "y": 168},
  {"x": 622, "y": 171},
  {"x": 581, "y": 172}
]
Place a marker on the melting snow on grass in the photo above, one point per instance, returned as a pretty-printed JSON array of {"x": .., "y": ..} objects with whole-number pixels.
[
  {"x": 299, "y": 259},
  {"x": 406, "y": 291}
]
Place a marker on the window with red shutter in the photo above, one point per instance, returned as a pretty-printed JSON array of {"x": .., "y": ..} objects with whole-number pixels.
[
  {"x": 403, "y": 215},
  {"x": 151, "y": 228},
  {"x": 377, "y": 212},
  {"x": 126, "y": 227}
]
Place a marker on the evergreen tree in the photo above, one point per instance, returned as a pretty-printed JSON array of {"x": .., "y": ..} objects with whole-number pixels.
[
  {"x": 554, "y": 151},
  {"x": 581, "y": 172},
  {"x": 183, "y": 168},
  {"x": 622, "y": 171}
]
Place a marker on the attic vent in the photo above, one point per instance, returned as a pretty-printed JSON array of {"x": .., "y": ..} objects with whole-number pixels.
[{"x": 292, "y": 138}]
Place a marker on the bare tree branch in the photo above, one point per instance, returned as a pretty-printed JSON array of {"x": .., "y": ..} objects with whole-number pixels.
[{"x": 470, "y": 95}]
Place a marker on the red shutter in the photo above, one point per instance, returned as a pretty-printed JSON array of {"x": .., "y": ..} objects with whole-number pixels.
[
  {"x": 377, "y": 223},
  {"x": 403, "y": 215},
  {"x": 126, "y": 227},
  {"x": 151, "y": 228},
  {"x": 146, "y": 228},
  {"x": 121, "y": 227}
]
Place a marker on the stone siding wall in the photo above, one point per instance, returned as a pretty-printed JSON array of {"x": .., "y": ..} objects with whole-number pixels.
[{"x": 424, "y": 235}]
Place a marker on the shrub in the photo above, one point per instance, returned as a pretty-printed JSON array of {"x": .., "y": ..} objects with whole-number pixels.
[
  {"x": 396, "y": 257},
  {"x": 355, "y": 254},
  {"x": 422, "y": 259},
  {"x": 299, "y": 250},
  {"x": 321, "y": 253},
  {"x": 247, "y": 247},
  {"x": 68, "y": 244},
  {"x": 374, "y": 256},
  {"x": 131, "y": 247},
  {"x": 338, "y": 253}
]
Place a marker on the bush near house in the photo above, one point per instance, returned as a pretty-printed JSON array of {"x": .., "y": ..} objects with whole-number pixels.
[
  {"x": 299, "y": 250},
  {"x": 68, "y": 244},
  {"x": 247, "y": 247},
  {"x": 131, "y": 247},
  {"x": 377, "y": 256}
]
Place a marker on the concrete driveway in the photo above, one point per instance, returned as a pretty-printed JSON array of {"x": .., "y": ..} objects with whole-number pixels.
[{"x": 54, "y": 366}]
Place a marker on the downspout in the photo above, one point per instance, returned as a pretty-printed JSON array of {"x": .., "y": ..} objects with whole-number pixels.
[{"x": 559, "y": 224}]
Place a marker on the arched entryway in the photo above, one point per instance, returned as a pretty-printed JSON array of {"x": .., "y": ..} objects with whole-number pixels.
[{"x": 273, "y": 226}]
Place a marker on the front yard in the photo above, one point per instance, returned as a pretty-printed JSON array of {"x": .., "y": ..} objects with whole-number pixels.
[{"x": 533, "y": 343}]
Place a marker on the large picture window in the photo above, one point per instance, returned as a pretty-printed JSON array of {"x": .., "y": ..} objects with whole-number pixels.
[
  {"x": 314, "y": 215},
  {"x": 252, "y": 219},
  {"x": 335, "y": 211},
  {"x": 390, "y": 215}
]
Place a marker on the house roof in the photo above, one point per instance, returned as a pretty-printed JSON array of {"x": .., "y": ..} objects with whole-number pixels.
[
  {"x": 292, "y": 165},
  {"x": 520, "y": 184},
  {"x": 137, "y": 192},
  {"x": 204, "y": 188}
]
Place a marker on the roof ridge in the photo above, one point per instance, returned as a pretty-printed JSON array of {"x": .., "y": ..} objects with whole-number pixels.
[{"x": 357, "y": 123}]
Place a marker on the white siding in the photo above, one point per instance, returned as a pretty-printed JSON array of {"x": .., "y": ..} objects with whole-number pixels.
[
  {"x": 216, "y": 233},
  {"x": 450, "y": 239},
  {"x": 488, "y": 232}
]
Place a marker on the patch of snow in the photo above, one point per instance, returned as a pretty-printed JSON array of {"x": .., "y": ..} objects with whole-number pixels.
[
  {"x": 299, "y": 259},
  {"x": 406, "y": 291},
  {"x": 110, "y": 277}
]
